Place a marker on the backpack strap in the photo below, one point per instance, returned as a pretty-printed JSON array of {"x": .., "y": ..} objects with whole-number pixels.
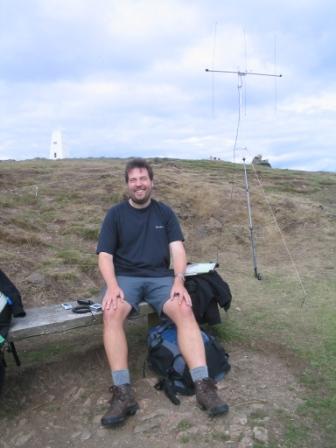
[
  {"x": 163, "y": 326},
  {"x": 168, "y": 387}
]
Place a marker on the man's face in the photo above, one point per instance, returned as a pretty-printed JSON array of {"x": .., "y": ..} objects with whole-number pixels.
[{"x": 139, "y": 186}]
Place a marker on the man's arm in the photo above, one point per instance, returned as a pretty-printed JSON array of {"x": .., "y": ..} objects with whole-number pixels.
[
  {"x": 113, "y": 292},
  {"x": 179, "y": 260}
]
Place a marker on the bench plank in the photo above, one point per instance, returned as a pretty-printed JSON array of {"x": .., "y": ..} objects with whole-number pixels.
[{"x": 51, "y": 319}]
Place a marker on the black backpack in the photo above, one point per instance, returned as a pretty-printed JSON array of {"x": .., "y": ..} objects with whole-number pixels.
[
  {"x": 5, "y": 319},
  {"x": 13, "y": 308},
  {"x": 165, "y": 359}
]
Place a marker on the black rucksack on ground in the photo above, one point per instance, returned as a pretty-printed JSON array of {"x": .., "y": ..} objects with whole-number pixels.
[
  {"x": 5, "y": 319},
  {"x": 13, "y": 308},
  {"x": 165, "y": 359}
]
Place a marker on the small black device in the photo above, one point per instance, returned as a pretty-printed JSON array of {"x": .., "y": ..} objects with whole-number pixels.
[{"x": 87, "y": 302}]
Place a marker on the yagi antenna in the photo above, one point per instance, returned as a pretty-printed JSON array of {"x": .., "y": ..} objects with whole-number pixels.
[
  {"x": 244, "y": 73},
  {"x": 241, "y": 74}
]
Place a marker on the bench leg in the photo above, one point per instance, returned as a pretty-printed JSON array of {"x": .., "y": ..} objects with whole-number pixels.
[{"x": 152, "y": 320}]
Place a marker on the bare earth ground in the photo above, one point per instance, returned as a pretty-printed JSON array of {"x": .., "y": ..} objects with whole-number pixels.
[{"x": 52, "y": 405}]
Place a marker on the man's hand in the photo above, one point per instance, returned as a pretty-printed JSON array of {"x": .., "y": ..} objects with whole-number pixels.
[
  {"x": 178, "y": 292},
  {"x": 112, "y": 297},
  {"x": 113, "y": 293}
]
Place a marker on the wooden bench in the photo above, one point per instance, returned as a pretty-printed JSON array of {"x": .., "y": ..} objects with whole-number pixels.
[{"x": 51, "y": 319}]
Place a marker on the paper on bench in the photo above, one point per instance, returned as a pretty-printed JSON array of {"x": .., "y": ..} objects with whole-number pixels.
[{"x": 199, "y": 268}]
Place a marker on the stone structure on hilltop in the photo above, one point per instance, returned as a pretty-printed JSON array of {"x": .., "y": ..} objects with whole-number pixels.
[{"x": 258, "y": 160}]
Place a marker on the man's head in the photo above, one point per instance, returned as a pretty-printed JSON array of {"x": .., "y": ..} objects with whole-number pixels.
[
  {"x": 139, "y": 179},
  {"x": 138, "y": 163}
]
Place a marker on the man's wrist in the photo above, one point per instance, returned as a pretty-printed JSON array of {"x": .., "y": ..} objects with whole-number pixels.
[
  {"x": 180, "y": 275},
  {"x": 112, "y": 285}
]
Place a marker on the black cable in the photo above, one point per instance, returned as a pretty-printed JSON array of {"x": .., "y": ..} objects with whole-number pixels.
[{"x": 81, "y": 309}]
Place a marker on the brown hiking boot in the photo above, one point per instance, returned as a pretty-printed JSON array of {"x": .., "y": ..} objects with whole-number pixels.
[
  {"x": 122, "y": 404},
  {"x": 208, "y": 399}
]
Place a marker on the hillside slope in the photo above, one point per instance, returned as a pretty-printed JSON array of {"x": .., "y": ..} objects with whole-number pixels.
[
  {"x": 280, "y": 332},
  {"x": 52, "y": 211}
]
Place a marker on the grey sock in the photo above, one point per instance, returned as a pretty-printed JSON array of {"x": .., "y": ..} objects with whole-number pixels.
[
  {"x": 199, "y": 373},
  {"x": 121, "y": 377}
]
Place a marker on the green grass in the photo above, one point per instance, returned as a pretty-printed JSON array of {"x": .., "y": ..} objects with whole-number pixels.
[
  {"x": 68, "y": 276},
  {"x": 184, "y": 439},
  {"x": 183, "y": 425},
  {"x": 320, "y": 376},
  {"x": 267, "y": 445},
  {"x": 219, "y": 436},
  {"x": 296, "y": 433},
  {"x": 77, "y": 258},
  {"x": 228, "y": 331},
  {"x": 89, "y": 233},
  {"x": 309, "y": 333}
]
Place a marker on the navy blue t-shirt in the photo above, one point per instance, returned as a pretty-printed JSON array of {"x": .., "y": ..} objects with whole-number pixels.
[{"x": 139, "y": 239}]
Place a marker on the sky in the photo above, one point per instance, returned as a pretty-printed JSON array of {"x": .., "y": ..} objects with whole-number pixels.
[{"x": 123, "y": 78}]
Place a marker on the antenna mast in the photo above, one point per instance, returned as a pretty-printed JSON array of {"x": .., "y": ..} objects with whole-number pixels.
[
  {"x": 241, "y": 75},
  {"x": 249, "y": 209}
]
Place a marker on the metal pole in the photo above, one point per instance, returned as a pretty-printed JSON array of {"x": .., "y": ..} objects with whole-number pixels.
[{"x": 249, "y": 209}]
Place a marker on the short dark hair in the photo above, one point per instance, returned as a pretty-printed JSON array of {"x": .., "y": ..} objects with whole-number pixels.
[{"x": 138, "y": 162}]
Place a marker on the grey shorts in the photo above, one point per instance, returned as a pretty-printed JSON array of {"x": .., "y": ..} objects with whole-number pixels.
[{"x": 153, "y": 290}]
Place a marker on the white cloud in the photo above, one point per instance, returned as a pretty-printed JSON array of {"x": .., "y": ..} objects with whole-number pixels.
[
  {"x": 323, "y": 102},
  {"x": 150, "y": 20},
  {"x": 127, "y": 77}
]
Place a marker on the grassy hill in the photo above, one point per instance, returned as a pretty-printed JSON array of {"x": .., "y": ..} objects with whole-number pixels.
[{"x": 51, "y": 212}]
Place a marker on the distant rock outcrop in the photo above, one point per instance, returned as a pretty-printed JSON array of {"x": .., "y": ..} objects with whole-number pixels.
[{"x": 258, "y": 160}]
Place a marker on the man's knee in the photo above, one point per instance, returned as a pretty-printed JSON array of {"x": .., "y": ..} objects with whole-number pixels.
[
  {"x": 177, "y": 311},
  {"x": 113, "y": 316}
]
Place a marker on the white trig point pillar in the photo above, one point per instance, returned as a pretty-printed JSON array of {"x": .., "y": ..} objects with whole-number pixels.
[{"x": 56, "y": 146}]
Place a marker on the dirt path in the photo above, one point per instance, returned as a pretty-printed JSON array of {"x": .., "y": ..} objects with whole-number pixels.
[{"x": 61, "y": 404}]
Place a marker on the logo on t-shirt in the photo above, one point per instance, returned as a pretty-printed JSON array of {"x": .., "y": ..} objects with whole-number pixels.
[{"x": 159, "y": 227}]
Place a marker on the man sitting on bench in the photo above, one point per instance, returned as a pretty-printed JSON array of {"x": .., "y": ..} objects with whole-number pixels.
[{"x": 137, "y": 238}]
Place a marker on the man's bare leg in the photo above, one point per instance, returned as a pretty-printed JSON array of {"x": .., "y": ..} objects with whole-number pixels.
[
  {"x": 115, "y": 341},
  {"x": 123, "y": 401},
  {"x": 192, "y": 348},
  {"x": 188, "y": 333}
]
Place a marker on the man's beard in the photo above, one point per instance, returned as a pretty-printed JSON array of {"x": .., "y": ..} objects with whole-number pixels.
[{"x": 143, "y": 200}]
